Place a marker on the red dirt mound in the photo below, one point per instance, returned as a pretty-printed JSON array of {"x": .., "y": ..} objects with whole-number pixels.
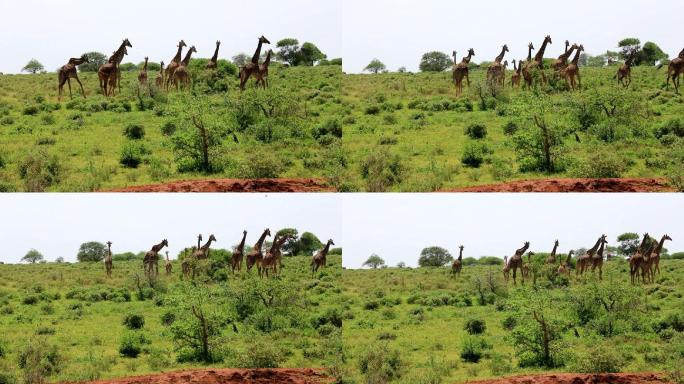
[
  {"x": 575, "y": 378},
  {"x": 229, "y": 376},
  {"x": 234, "y": 185},
  {"x": 575, "y": 185}
]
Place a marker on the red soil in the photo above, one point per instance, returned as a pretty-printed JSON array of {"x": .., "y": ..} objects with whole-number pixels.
[
  {"x": 575, "y": 185},
  {"x": 576, "y": 378},
  {"x": 235, "y": 185},
  {"x": 229, "y": 376}
]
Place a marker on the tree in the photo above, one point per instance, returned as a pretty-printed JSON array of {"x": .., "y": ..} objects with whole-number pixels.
[
  {"x": 59, "y": 260},
  {"x": 401, "y": 264},
  {"x": 434, "y": 257},
  {"x": 32, "y": 256},
  {"x": 288, "y": 51},
  {"x": 628, "y": 243},
  {"x": 374, "y": 261},
  {"x": 91, "y": 251},
  {"x": 629, "y": 46},
  {"x": 290, "y": 245},
  {"x": 401, "y": 70},
  {"x": 95, "y": 61},
  {"x": 650, "y": 54},
  {"x": 33, "y": 66},
  {"x": 595, "y": 61},
  {"x": 240, "y": 59},
  {"x": 308, "y": 244},
  {"x": 375, "y": 66},
  {"x": 435, "y": 62},
  {"x": 310, "y": 54}
]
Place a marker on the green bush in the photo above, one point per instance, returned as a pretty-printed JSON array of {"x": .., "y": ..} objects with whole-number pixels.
[
  {"x": 476, "y": 131},
  {"x": 331, "y": 127},
  {"x": 30, "y": 300},
  {"x": 475, "y": 326},
  {"x": 263, "y": 165},
  {"x": 131, "y": 344},
  {"x": 261, "y": 354},
  {"x": 472, "y": 349},
  {"x": 30, "y": 110},
  {"x": 674, "y": 126},
  {"x": 168, "y": 128},
  {"x": 39, "y": 170},
  {"x": 134, "y": 131},
  {"x": 381, "y": 170},
  {"x": 39, "y": 360},
  {"x": 372, "y": 110},
  {"x": 380, "y": 364},
  {"x": 600, "y": 359},
  {"x": 474, "y": 154},
  {"x": 600, "y": 163},
  {"x": 134, "y": 321},
  {"x": 7, "y": 120},
  {"x": 510, "y": 128},
  {"x": 132, "y": 154}
]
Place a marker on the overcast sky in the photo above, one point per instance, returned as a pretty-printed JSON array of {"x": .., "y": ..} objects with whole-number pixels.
[
  {"x": 52, "y": 31},
  {"x": 398, "y": 226},
  {"x": 57, "y": 224},
  {"x": 398, "y": 32}
]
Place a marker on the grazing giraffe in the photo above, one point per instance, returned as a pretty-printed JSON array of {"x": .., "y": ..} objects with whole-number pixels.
[
  {"x": 111, "y": 68},
  {"x": 319, "y": 260},
  {"x": 142, "y": 76},
  {"x": 457, "y": 265},
  {"x": 572, "y": 70},
  {"x": 151, "y": 259},
  {"x": 638, "y": 258},
  {"x": 262, "y": 73},
  {"x": 564, "y": 268},
  {"x": 213, "y": 62},
  {"x": 68, "y": 72},
  {"x": 495, "y": 72},
  {"x": 108, "y": 260},
  {"x": 552, "y": 257},
  {"x": 159, "y": 81},
  {"x": 516, "y": 261},
  {"x": 182, "y": 75},
  {"x": 251, "y": 68},
  {"x": 624, "y": 73},
  {"x": 256, "y": 254},
  {"x": 460, "y": 71},
  {"x": 238, "y": 254},
  {"x": 175, "y": 62},
  {"x": 168, "y": 265},
  {"x": 536, "y": 64},
  {"x": 674, "y": 70}
]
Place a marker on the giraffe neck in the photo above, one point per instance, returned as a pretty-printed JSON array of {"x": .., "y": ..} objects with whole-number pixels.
[
  {"x": 555, "y": 248},
  {"x": 529, "y": 53},
  {"x": 267, "y": 61},
  {"x": 575, "y": 59},
  {"x": 540, "y": 54},
  {"x": 515, "y": 67},
  {"x": 257, "y": 53},
  {"x": 324, "y": 251},
  {"x": 274, "y": 246},
  {"x": 260, "y": 242},
  {"x": 567, "y": 44},
  {"x": 466, "y": 59},
  {"x": 595, "y": 247},
  {"x": 157, "y": 247},
  {"x": 460, "y": 254},
  {"x": 118, "y": 55},
  {"x": 501, "y": 56},
  {"x": 241, "y": 246},
  {"x": 186, "y": 60},
  {"x": 177, "y": 58},
  {"x": 522, "y": 250},
  {"x": 601, "y": 247},
  {"x": 207, "y": 244},
  {"x": 145, "y": 66},
  {"x": 567, "y": 260},
  {"x": 659, "y": 248},
  {"x": 215, "y": 57}
]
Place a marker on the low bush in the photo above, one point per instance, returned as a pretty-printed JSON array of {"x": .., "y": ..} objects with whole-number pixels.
[
  {"x": 380, "y": 364},
  {"x": 134, "y": 131},
  {"x": 476, "y": 131},
  {"x": 472, "y": 349},
  {"x": 132, "y": 154},
  {"x": 475, "y": 326},
  {"x": 474, "y": 154},
  {"x": 134, "y": 321}
]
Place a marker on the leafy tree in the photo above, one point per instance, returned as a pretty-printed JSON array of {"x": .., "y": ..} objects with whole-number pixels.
[
  {"x": 434, "y": 257},
  {"x": 291, "y": 245},
  {"x": 629, "y": 46},
  {"x": 91, "y": 251},
  {"x": 612, "y": 57},
  {"x": 128, "y": 67},
  {"x": 32, "y": 256},
  {"x": 59, "y": 260},
  {"x": 374, "y": 261},
  {"x": 650, "y": 54},
  {"x": 595, "y": 61},
  {"x": 288, "y": 51},
  {"x": 375, "y": 66},
  {"x": 435, "y": 62},
  {"x": 33, "y": 66},
  {"x": 628, "y": 243},
  {"x": 308, "y": 243},
  {"x": 401, "y": 264},
  {"x": 240, "y": 59},
  {"x": 310, "y": 54},
  {"x": 401, "y": 70},
  {"x": 95, "y": 60}
]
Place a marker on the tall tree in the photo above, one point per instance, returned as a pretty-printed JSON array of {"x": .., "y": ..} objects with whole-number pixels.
[
  {"x": 375, "y": 66},
  {"x": 434, "y": 257},
  {"x": 435, "y": 62},
  {"x": 310, "y": 54},
  {"x": 33, "y": 66},
  {"x": 32, "y": 256},
  {"x": 374, "y": 261},
  {"x": 288, "y": 51},
  {"x": 91, "y": 251},
  {"x": 95, "y": 61}
]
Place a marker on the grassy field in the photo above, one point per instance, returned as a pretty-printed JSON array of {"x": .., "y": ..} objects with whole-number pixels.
[
  {"x": 409, "y": 325},
  {"x": 406, "y": 132},
  {"x": 76, "y": 309},
  {"x": 285, "y": 131}
]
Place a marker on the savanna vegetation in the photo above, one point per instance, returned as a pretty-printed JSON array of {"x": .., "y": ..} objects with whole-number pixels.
[{"x": 67, "y": 321}]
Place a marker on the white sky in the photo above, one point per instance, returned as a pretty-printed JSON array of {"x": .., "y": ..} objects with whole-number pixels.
[
  {"x": 398, "y": 226},
  {"x": 398, "y": 32},
  {"x": 52, "y": 31},
  {"x": 57, "y": 224}
]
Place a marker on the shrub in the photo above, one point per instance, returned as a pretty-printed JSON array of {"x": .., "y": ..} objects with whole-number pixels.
[
  {"x": 264, "y": 165},
  {"x": 168, "y": 318},
  {"x": 510, "y": 128},
  {"x": 30, "y": 110},
  {"x": 381, "y": 170},
  {"x": 168, "y": 128},
  {"x": 261, "y": 354},
  {"x": 380, "y": 364},
  {"x": 475, "y": 326},
  {"x": 600, "y": 359},
  {"x": 472, "y": 349},
  {"x": 134, "y": 131},
  {"x": 509, "y": 322},
  {"x": 39, "y": 170},
  {"x": 474, "y": 154},
  {"x": 30, "y": 300},
  {"x": 372, "y": 110},
  {"x": 132, "y": 154},
  {"x": 39, "y": 360},
  {"x": 131, "y": 344},
  {"x": 600, "y": 163},
  {"x": 674, "y": 126},
  {"x": 371, "y": 305},
  {"x": 476, "y": 131},
  {"x": 7, "y": 120},
  {"x": 331, "y": 127},
  {"x": 134, "y": 321}
]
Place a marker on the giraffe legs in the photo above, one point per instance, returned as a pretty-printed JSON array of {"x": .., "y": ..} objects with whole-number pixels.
[{"x": 81, "y": 85}]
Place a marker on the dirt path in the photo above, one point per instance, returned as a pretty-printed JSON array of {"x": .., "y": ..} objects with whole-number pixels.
[
  {"x": 575, "y": 185},
  {"x": 229, "y": 376},
  {"x": 577, "y": 378},
  {"x": 234, "y": 185}
]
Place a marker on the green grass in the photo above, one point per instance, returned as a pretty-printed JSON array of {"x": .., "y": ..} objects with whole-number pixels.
[
  {"x": 88, "y": 142},
  {"x": 429, "y": 336},
  {"x": 403, "y": 114},
  {"x": 89, "y": 343}
]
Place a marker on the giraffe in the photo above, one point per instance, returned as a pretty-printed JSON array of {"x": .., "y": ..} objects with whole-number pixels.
[
  {"x": 182, "y": 74},
  {"x": 562, "y": 61},
  {"x": 674, "y": 69},
  {"x": 653, "y": 263},
  {"x": 202, "y": 253},
  {"x": 496, "y": 70},
  {"x": 552, "y": 257},
  {"x": 108, "y": 260},
  {"x": 502, "y": 76},
  {"x": 185, "y": 264},
  {"x": 279, "y": 254},
  {"x": 142, "y": 76},
  {"x": 272, "y": 257},
  {"x": 262, "y": 73},
  {"x": 506, "y": 269},
  {"x": 319, "y": 260},
  {"x": 526, "y": 267},
  {"x": 597, "y": 258},
  {"x": 168, "y": 265},
  {"x": 460, "y": 71},
  {"x": 515, "y": 77},
  {"x": 175, "y": 62},
  {"x": 68, "y": 72},
  {"x": 199, "y": 241},
  {"x": 585, "y": 260},
  {"x": 536, "y": 64},
  {"x": 625, "y": 71},
  {"x": 238, "y": 254},
  {"x": 252, "y": 67},
  {"x": 111, "y": 68},
  {"x": 516, "y": 261},
  {"x": 564, "y": 268},
  {"x": 572, "y": 70},
  {"x": 159, "y": 81},
  {"x": 213, "y": 62},
  {"x": 638, "y": 258},
  {"x": 256, "y": 254},
  {"x": 151, "y": 259},
  {"x": 457, "y": 265}
]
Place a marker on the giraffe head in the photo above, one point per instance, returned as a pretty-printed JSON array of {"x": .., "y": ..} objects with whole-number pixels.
[
  {"x": 574, "y": 46},
  {"x": 264, "y": 40},
  {"x": 547, "y": 39},
  {"x": 109, "y": 244},
  {"x": 331, "y": 242},
  {"x": 244, "y": 232},
  {"x": 471, "y": 52},
  {"x": 127, "y": 43},
  {"x": 556, "y": 243},
  {"x": 212, "y": 238},
  {"x": 165, "y": 243},
  {"x": 505, "y": 63},
  {"x": 162, "y": 64},
  {"x": 199, "y": 237},
  {"x": 218, "y": 43},
  {"x": 667, "y": 237},
  {"x": 182, "y": 44},
  {"x": 580, "y": 48},
  {"x": 603, "y": 239},
  {"x": 461, "y": 247},
  {"x": 571, "y": 253},
  {"x": 530, "y": 46},
  {"x": 505, "y": 48},
  {"x": 192, "y": 49},
  {"x": 267, "y": 231},
  {"x": 527, "y": 244}
]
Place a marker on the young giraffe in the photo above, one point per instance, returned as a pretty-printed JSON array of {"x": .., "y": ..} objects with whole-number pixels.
[
  {"x": 585, "y": 260},
  {"x": 457, "y": 265},
  {"x": 68, "y": 72},
  {"x": 674, "y": 70},
  {"x": 159, "y": 81},
  {"x": 495, "y": 70},
  {"x": 526, "y": 267},
  {"x": 572, "y": 71},
  {"x": 638, "y": 258},
  {"x": 653, "y": 263},
  {"x": 516, "y": 261},
  {"x": 175, "y": 62},
  {"x": 262, "y": 73},
  {"x": 111, "y": 68},
  {"x": 256, "y": 254},
  {"x": 562, "y": 61},
  {"x": 536, "y": 64},
  {"x": 270, "y": 260},
  {"x": 168, "y": 266},
  {"x": 515, "y": 77},
  {"x": 624, "y": 73},
  {"x": 552, "y": 257},
  {"x": 564, "y": 268},
  {"x": 249, "y": 69},
  {"x": 151, "y": 259},
  {"x": 597, "y": 259},
  {"x": 108, "y": 260},
  {"x": 319, "y": 260},
  {"x": 182, "y": 75},
  {"x": 506, "y": 269},
  {"x": 460, "y": 71},
  {"x": 213, "y": 62},
  {"x": 238, "y": 254},
  {"x": 142, "y": 76}
]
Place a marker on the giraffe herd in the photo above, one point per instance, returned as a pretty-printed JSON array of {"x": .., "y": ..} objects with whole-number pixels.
[
  {"x": 532, "y": 70},
  {"x": 645, "y": 262},
  {"x": 266, "y": 264},
  {"x": 175, "y": 73}
]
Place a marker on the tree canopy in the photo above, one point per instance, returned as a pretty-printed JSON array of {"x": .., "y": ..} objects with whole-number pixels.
[
  {"x": 291, "y": 52},
  {"x": 374, "y": 261},
  {"x": 434, "y": 257},
  {"x": 95, "y": 60},
  {"x": 33, "y": 66},
  {"x": 435, "y": 62},
  {"x": 375, "y": 66},
  {"x": 628, "y": 243},
  {"x": 91, "y": 251},
  {"x": 32, "y": 256}
]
